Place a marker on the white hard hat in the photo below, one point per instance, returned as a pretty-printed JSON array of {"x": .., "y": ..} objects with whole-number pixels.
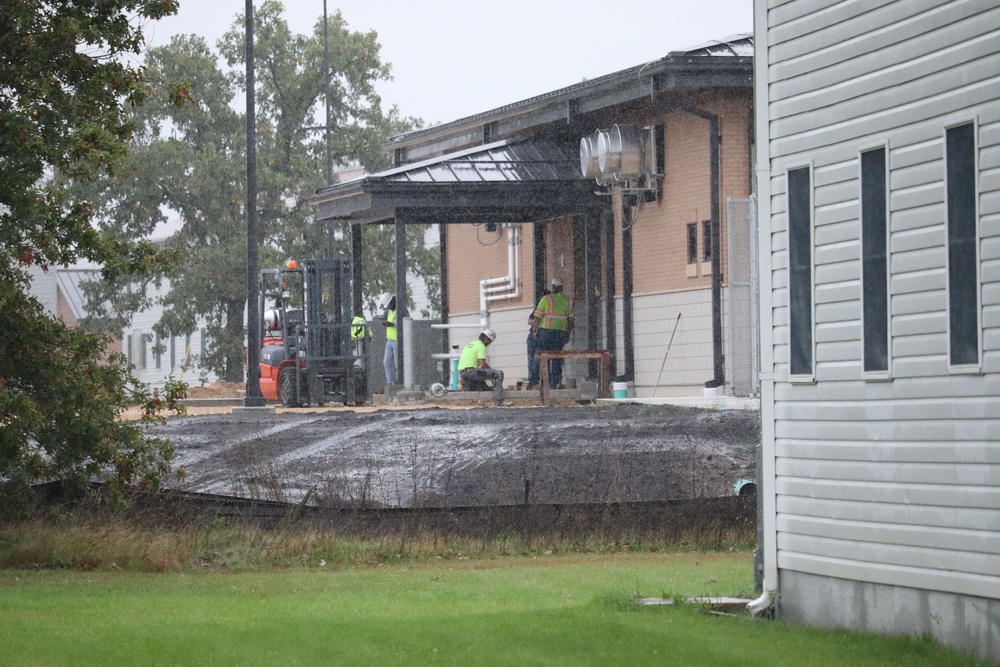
[
  {"x": 557, "y": 281},
  {"x": 384, "y": 299},
  {"x": 489, "y": 333},
  {"x": 272, "y": 320}
]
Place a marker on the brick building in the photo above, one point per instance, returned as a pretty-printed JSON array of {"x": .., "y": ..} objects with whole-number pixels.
[{"x": 646, "y": 256}]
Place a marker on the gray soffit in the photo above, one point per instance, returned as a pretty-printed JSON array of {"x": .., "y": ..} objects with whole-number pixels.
[{"x": 522, "y": 180}]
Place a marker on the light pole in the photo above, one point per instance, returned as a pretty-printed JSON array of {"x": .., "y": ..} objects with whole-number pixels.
[{"x": 253, "y": 397}]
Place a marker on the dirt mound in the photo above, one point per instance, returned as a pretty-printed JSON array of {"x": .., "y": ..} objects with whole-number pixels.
[{"x": 218, "y": 389}]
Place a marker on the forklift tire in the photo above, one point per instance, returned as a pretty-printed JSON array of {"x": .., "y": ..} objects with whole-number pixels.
[{"x": 286, "y": 388}]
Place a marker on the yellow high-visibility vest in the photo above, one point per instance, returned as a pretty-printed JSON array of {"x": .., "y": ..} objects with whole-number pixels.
[
  {"x": 359, "y": 328},
  {"x": 390, "y": 332},
  {"x": 553, "y": 312}
]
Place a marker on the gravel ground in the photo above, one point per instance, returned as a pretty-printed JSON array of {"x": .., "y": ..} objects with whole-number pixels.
[{"x": 462, "y": 457}]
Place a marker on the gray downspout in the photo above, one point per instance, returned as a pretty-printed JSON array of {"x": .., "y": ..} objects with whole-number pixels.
[
  {"x": 610, "y": 316},
  {"x": 629, "y": 338},
  {"x": 714, "y": 141},
  {"x": 717, "y": 354}
]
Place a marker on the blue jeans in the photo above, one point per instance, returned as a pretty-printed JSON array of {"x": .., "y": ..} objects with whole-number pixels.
[
  {"x": 550, "y": 340},
  {"x": 532, "y": 359},
  {"x": 389, "y": 360}
]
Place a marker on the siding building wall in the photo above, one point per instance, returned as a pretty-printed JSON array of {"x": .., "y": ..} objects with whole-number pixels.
[{"x": 881, "y": 481}]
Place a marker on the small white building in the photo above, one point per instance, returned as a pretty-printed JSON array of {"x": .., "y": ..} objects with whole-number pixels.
[
  {"x": 878, "y": 172},
  {"x": 158, "y": 358}
]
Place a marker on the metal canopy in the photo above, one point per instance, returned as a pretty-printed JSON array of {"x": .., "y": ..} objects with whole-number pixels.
[{"x": 506, "y": 180}]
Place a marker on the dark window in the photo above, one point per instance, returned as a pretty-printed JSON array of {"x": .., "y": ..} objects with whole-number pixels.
[
  {"x": 874, "y": 260},
  {"x": 692, "y": 243},
  {"x": 173, "y": 352},
  {"x": 800, "y": 338},
  {"x": 963, "y": 309},
  {"x": 157, "y": 352},
  {"x": 707, "y": 245},
  {"x": 142, "y": 351},
  {"x": 204, "y": 350},
  {"x": 128, "y": 348}
]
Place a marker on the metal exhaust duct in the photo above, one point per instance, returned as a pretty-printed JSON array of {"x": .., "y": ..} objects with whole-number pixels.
[
  {"x": 589, "y": 166},
  {"x": 619, "y": 151}
]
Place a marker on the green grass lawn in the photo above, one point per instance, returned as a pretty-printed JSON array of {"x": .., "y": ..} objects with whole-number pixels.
[{"x": 565, "y": 610}]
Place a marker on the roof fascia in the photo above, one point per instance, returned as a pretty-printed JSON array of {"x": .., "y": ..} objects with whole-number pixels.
[{"x": 672, "y": 72}]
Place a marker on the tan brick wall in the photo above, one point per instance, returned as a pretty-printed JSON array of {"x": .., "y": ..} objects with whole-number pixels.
[
  {"x": 475, "y": 254},
  {"x": 559, "y": 253},
  {"x": 659, "y": 234}
]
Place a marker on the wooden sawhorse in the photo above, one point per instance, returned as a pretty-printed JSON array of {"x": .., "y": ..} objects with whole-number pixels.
[{"x": 603, "y": 371}]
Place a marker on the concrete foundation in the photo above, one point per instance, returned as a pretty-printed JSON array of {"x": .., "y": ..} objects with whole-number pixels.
[{"x": 963, "y": 622}]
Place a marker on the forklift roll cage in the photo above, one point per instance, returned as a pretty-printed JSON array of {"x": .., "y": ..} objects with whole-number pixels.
[{"x": 310, "y": 356}]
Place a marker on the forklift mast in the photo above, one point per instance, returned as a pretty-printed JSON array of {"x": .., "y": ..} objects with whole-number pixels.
[{"x": 306, "y": 312}]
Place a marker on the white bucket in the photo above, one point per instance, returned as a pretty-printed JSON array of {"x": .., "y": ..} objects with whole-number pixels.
[{"x": 619, "y": 389}]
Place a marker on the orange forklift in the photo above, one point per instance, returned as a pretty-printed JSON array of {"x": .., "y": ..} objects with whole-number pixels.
[{"x": 308, "y": 356}]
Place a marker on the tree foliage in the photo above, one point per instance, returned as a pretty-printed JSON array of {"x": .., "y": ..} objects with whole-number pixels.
[
  {"x": 66, "y": 94},
  {"x": 188, "y": 162}
]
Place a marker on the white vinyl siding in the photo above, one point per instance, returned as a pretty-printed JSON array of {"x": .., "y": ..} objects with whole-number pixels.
[{"x": 894, "y": 482}]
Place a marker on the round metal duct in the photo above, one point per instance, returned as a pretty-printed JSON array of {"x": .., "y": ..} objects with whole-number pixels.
[
  {"x": 619, "y": 151},
  {"x": 589, "y": 166}
]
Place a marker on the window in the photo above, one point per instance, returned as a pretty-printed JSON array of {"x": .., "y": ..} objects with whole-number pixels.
[
  {"x": 706, "y": 246},
  {"x": 128, "y": 348},
  {"x": 142, "y": 351},
  {"x": 157, "y": 352},
  {"x": 800, "y": 338},
  {"x": 874, "y": 262},
  {"x": 692, "y": 230},
  {"x": 203, "y": 350},
  {"x": 173, "y": 353},
  {"x": 963, "y": 261}
]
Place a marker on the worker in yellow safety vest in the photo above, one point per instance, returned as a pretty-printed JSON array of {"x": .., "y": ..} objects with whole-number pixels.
[
  {"x": 551, "y": 324},
  {"x": 360, "y": 335},
  {"x": 388, "y": 302},
  {"x": 476, "y": 372}
]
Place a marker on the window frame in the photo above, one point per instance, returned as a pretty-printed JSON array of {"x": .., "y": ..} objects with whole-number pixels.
[
  {"x": 884, "y": 322},
  {"x": 707, "y": 241},
  {"x": 801, "y": 375},
  {"x": 692, "y": 242},
  {"x": 963, "y": 367}
]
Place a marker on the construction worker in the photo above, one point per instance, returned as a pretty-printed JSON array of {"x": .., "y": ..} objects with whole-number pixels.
[
  {"x": 388, "y": 302},
  {"x": 532, "y": 344},
  {"x": 360, "y": 335},
  {"x": 551, "y": 324},
  {"x": 475, "y": 371}
]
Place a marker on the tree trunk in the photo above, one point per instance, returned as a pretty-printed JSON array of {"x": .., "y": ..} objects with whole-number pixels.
[{"x": 235, "y": 353}]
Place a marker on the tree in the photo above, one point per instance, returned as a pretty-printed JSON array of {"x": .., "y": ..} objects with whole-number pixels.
[
  {"x": 189, "y": 160},
  {"x": 66, "y": 90}
]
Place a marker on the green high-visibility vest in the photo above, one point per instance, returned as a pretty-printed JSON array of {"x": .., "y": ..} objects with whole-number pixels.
[{"x": 359, "y": 328}]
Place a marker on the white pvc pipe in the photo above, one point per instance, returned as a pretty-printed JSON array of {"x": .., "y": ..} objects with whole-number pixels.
[
  {"x": 455, "y": 326},
  {"x": 506, "y": 287}
]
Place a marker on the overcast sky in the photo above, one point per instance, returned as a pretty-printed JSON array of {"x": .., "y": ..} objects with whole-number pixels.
[{"x": 451, "y": 59}]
